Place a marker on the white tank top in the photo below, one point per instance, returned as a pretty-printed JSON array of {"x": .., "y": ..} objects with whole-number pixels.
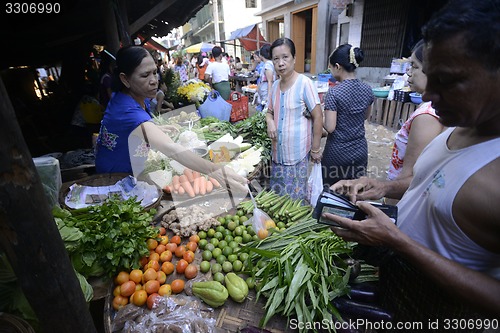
[{"x": 425, "y": 211}]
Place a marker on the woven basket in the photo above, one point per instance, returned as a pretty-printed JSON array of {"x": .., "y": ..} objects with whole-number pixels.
[
  {"x": 12, "y": 324},
  {"x": 104, "y": 179}
]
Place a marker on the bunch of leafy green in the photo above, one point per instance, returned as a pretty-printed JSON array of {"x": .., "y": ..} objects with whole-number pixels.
[
  {"x": 102, "y": 240},
  {"x": 254, "y": 130}
]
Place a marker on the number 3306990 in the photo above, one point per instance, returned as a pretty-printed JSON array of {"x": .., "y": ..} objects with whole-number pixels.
[{"x": 32, "y": 8}]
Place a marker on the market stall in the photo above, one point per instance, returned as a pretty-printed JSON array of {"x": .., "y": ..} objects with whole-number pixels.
[{"x": 196, "y": 258}]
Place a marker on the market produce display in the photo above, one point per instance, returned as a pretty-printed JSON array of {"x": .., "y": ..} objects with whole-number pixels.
[{"x": 299, "y": 266}]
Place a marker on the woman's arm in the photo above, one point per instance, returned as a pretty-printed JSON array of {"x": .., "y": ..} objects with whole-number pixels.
[
  {"x": 368, "y": 111},
  {"x": 317, "y": 118},
  {"x": 162, "y": 142},
  {"x": 330, "y": 120},
  {"x": 269, "y": 77},
  {"x": 424, "y": 128}
]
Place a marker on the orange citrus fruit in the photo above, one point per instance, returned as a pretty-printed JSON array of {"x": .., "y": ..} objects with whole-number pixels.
[
  {"x": 139, "y": 298},
  {"x": 152, "y": 286},
  {"x": 127, "y": 288},
  {"x": 151, "y": 300},
  {"x": 119, "y": 302},
  {"x": 122, "y": 277},
  {"x": 166, "y": 256},
  {"x": 167, "y": 267},
  {"x": 136, "y": 275},
  {"x": 149, "y": 274},
  {"x": 262, "y": 233},
  {"x": 165, "y": 290},
  {"x": 176, "y": 239},
  {"x": 177, "y": 286}
]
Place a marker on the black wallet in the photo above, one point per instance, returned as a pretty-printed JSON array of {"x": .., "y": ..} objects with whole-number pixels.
[{"x": 334, "y": 203}]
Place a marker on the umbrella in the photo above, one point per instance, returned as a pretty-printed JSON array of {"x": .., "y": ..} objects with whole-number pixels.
[{"x": 200, "y": 47}]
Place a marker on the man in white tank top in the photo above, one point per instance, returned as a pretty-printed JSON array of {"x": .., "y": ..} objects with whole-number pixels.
[{"x": 449, "y": 215}]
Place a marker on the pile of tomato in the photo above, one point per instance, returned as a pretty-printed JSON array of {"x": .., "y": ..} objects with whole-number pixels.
[{"x": 167, "y": 256}]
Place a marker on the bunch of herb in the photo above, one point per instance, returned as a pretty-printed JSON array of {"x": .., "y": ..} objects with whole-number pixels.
[
  {"x": 113, "y": 236},
  {"x": 300, "y": 271},
  {"x": 254, "y": 130}
]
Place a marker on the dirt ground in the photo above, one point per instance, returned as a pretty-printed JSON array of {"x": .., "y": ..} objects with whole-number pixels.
[{"x": 380, "y": 140}]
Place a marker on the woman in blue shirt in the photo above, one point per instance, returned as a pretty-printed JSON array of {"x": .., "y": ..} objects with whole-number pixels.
[{"x": 127, "y": 131}]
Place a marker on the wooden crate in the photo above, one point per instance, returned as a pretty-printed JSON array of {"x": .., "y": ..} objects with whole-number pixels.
[{"x": 391, "y": 114}]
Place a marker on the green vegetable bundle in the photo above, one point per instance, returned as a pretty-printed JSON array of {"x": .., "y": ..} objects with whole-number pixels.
[
  {"x": 300, "y": 271},
  {"x": 105, "y": 239}
]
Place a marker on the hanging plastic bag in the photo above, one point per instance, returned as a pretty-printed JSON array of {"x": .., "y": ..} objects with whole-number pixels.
[
  {"x": 259, "y": 219},
  {"x": 215, "y": 106},
  {"x": 314, "y": 184}
]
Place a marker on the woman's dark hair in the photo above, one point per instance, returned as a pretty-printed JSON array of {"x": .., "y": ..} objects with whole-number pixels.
[
  {"x": 128, "y": 58},
  {"x": 418, "y": 49},
  {"x": 265, "y": 51},
  {"x": 478, "y": 21},
  {"x": 284, "y": 41},
  {"x": 347, "y": 56},
  {"x": 237, "y": 59},
  {"x": 200, "y": 59}
]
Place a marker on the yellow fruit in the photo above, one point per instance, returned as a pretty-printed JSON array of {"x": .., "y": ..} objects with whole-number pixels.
[
  {"x": 121, "y": 278},
  {"x": 165, "y": 290},
  {"x": 269, "y": 224},
  {"x": 136, "y": 275},
  {"x": 140, "y": 297},
  {"x": 262, "y": 233}
]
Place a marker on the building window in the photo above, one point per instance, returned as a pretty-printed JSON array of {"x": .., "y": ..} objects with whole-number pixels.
[
  {"x": 344, "y": 33},
  {"x": 251, "y": 3},
  {"x": 383, "y": 30}
]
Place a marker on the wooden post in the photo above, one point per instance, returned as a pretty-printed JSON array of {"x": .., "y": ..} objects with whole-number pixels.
[
  {"x": 30, "y": 238},
  {"x": 110, "y": 27}
]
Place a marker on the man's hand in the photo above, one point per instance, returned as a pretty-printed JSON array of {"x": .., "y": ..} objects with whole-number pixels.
[
  {"x": 363, "y": 188},
  {"x": 376, "y": 230}
]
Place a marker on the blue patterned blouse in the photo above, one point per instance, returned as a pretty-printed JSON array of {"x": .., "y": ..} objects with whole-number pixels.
[{"x": 122, "y": 116}]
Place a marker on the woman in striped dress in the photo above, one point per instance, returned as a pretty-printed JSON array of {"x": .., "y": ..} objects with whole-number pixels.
[{"x": 294, "y": 123}]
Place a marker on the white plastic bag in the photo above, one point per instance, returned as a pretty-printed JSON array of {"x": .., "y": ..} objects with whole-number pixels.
[
  {"x": 314, "y": 184},
  {"x": 259, "y": 218}
]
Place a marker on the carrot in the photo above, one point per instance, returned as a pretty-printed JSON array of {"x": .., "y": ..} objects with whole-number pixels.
[
  {"x": 175, "y": 182},
  {"x": 215, "y": 182},
  {"x": 189, "y": 174},
  {"x": 210, "y": 186},
  {"x": 181, "y": 190},
  {"x": 189, "y": 188},
  {"x": 196, "y": 185},
  {"x": 183, "y": 179},
  {"x": 203, "y": 185}
]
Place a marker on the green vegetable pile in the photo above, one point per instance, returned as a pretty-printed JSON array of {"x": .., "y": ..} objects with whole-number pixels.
[
  {"x": 102, "y": 240},
  {"x": 300, "y": 271},
  {"x": 254, "y": 129}
]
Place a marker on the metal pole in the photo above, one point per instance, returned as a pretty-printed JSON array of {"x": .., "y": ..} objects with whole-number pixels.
[{"x": 216, "y": 20}]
